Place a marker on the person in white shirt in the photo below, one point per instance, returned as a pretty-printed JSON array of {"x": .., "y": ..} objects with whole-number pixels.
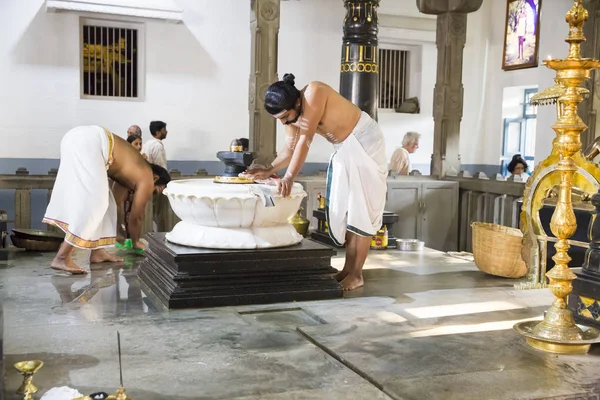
[
  {"x": 154, "y": 150},
  {"x": 400, "y": 163}
]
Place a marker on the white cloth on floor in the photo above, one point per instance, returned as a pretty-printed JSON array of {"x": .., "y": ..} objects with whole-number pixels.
[
  {"x": 357, "y": 182},
  {"x": 82, "y": 204},
  {"x": 61, "y": 393}
]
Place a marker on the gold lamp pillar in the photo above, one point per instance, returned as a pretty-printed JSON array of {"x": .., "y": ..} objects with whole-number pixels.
[{"x": 557, "y": 332}]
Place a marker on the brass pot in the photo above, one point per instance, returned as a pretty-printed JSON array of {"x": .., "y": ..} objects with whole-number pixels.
[{"x": 300, "y": 223}]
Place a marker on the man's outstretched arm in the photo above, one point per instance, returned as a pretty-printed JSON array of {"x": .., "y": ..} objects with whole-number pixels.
[{"x": 141, "y": 196}]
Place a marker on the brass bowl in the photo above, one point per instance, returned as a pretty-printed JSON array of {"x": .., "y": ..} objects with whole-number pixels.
[
  {"x": 29, "y": 367},
  {"x": 35, "y": 245}
]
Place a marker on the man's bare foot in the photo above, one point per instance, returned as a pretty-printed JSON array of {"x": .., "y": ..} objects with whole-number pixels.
[
  {"x": 352, "y": 282},
  {"x": 340, "y": 276},
  {"x": 102, "y": 255},
  {"x": 69, "y": 265}
]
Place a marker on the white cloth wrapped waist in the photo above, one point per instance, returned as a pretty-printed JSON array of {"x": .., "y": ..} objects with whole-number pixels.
[
  {"x": 82, "y": 204},
  {"x": 357, "y": 182}
]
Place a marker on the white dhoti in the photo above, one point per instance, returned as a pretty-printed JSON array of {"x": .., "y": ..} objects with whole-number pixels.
[
  {"x": 357, "y": 182},
  {"x": 82, "y": 204}
]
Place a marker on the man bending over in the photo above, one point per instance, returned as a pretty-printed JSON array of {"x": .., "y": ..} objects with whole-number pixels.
[
  {"x": 82, "y": 203},
  {"x": 356, "y": 177}
]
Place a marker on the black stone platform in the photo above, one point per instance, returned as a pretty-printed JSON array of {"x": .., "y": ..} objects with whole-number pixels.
[
  {"x": 322, "y": 235},
  {"x": 186, "y": 277},
  {"x": 584, "y": 301},
  {"x": 577, "y": 254}
]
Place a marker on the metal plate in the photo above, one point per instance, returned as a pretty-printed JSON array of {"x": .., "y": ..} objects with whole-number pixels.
[
  {"x": 38, "y": 234},
  {"x": 589, "y": 335}
]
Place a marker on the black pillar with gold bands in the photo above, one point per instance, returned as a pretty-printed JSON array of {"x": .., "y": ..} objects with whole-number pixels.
[{"x": 359, "y": 70}]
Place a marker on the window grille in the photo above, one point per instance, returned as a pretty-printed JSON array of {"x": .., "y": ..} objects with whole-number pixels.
[
  {"x": 393, "y": 76},
  {"x": 110, "y": 61}
]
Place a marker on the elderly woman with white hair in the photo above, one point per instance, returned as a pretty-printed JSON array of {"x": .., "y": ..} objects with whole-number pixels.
[{"x": 400, "y": 162}]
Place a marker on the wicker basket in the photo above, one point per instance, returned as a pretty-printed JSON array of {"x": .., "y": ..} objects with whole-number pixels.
[{"x": 497, "y": 250}]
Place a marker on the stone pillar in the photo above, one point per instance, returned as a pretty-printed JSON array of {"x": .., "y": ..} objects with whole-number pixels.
[
  {"x": 359, "y": 71},
  {"x": 590, "y": 49},
  {"x": 264, "y": 25},
  {"x": 451, "y": 36}
]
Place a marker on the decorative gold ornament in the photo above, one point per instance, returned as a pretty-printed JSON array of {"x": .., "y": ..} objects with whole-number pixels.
[
  {"x": 566, "y": 166},
  {"x": 236, "y": 146},
  {"x": 27, "y": 369}
]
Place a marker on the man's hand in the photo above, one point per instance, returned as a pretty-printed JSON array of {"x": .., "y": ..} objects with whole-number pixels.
[
  {"x": 284, "y": 187},
  {"x": 121, "y": 236},
  {"x": 159, "y": 189},
  {"x": 259, "y": 173}
]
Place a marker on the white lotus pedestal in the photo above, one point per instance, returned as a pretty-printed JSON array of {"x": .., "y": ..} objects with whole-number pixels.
[
  {"x": 229, "y": 249},
  {"x": 228, "y": 216}
]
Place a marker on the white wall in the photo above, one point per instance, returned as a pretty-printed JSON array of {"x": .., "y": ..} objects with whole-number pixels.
[
  {"x": 486, "y": 146},
  {"x": 199, "y": 85}
]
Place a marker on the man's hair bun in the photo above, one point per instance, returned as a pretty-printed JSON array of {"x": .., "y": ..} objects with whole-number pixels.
[{"x": 289, "y": 79}]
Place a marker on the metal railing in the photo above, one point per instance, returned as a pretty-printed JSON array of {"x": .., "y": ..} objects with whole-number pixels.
[{"x": 483, "y": 199}]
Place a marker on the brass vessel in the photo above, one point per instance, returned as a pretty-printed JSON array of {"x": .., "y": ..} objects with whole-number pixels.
[
  {"x": 27, "y": 369},
  {"x": 232, "y": 179},
  {"x": 566, "y": 166},
  {"x": 300, "y": 223}
]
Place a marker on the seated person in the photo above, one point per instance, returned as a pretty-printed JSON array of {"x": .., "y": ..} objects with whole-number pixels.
[
  {"x": 518, "y": 167},
  {"x": 400, "y": 162}
]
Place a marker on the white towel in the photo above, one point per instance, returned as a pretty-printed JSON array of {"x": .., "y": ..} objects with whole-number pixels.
[
  {"x": 357, "y": 182},
  {"x": 82, "y": 204},
  {"x": 264, "y": 194}
]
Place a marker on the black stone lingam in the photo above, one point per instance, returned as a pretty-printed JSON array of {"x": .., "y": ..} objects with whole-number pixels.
[{"x": 236, "y": 160}]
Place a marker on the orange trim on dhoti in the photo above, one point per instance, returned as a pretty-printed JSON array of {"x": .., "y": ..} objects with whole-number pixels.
[
  {"x": 76, "y": 240},
  {"x": 111, "y": 146}
]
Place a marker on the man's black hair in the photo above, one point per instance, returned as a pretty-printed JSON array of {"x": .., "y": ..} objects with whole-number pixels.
[
  {"x": 163, "y": 175},
  {"x": 156, "y": 126},
  {"x": 133, "y": 138},
  {"x": 282, "y": 95},
  {"x": 517, "y": 159}
]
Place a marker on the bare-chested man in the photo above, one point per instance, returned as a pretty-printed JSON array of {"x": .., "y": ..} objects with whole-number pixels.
[
  {"x": 356, "y": 177},
  {"x": 82, "y": 203}
]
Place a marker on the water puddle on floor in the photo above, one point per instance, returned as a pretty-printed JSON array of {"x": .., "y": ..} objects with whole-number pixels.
[{"x": 109, "y": 290}]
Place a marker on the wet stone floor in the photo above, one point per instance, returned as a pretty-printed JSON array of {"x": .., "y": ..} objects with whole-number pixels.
[{"x": 425, "y": 326}]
